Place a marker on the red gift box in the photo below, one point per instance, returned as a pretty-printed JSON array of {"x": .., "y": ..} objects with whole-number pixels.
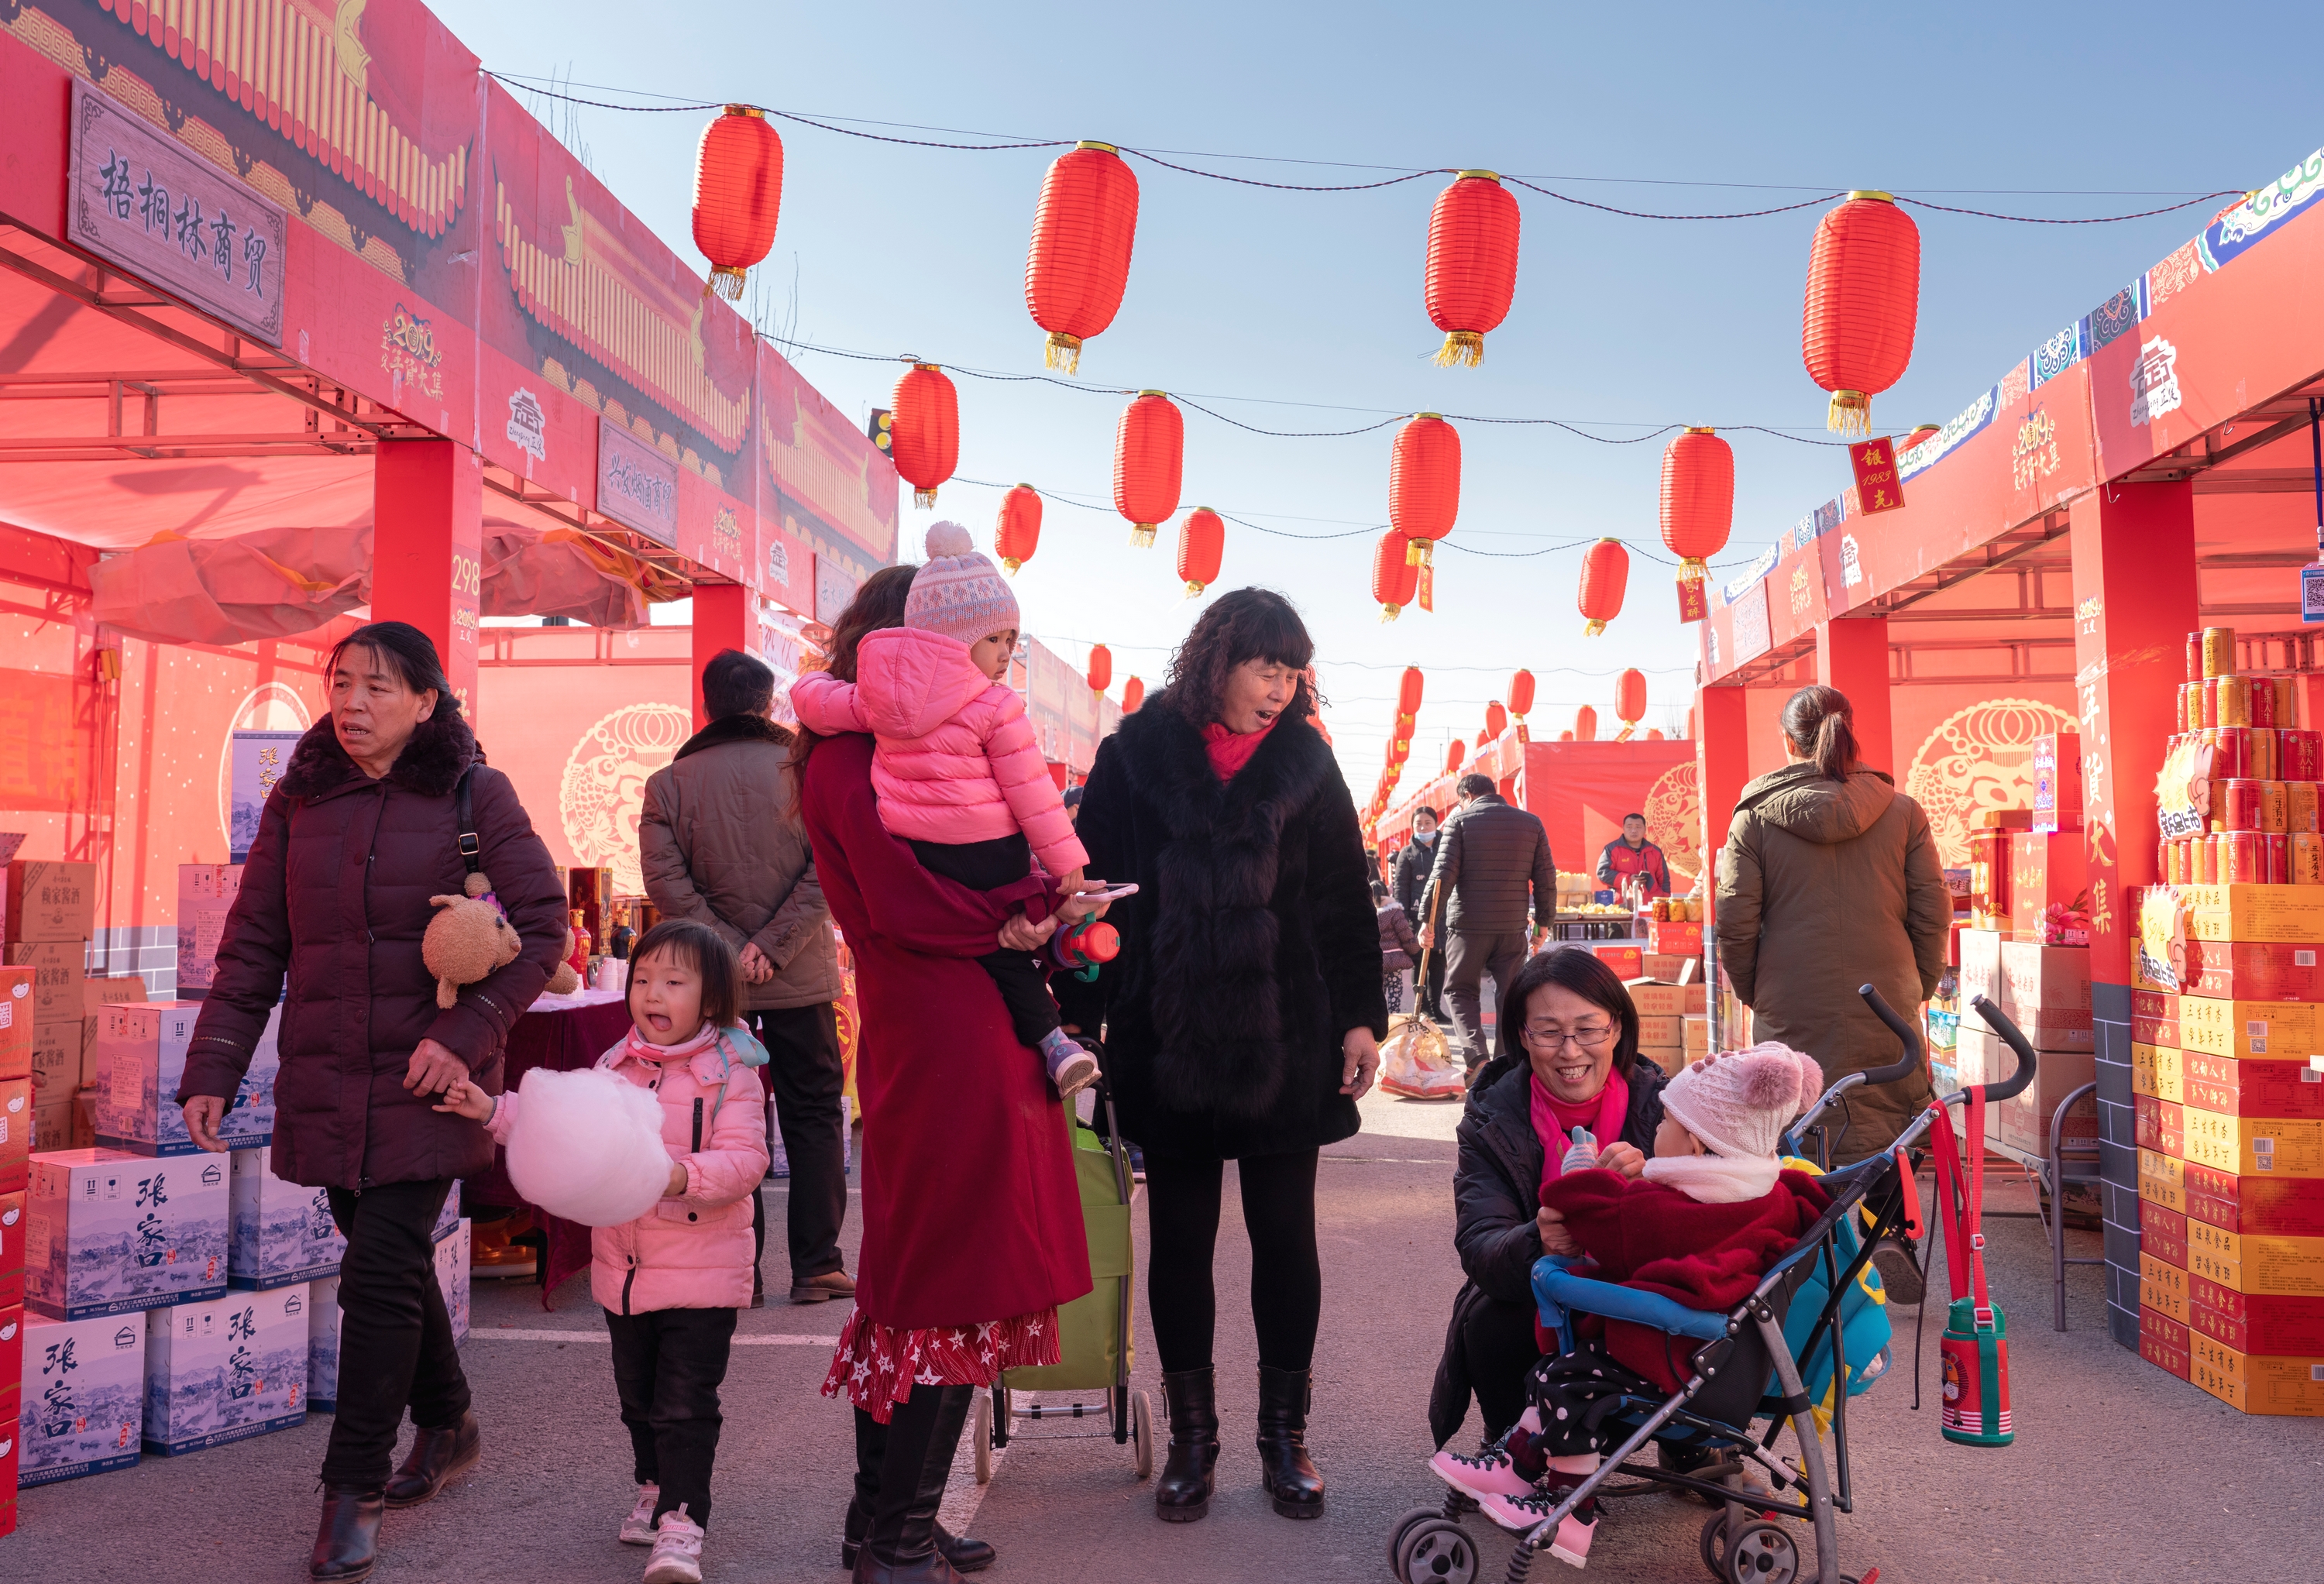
[{"x": 2043, "y": 869}]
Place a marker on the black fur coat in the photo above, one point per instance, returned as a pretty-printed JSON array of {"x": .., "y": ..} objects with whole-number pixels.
[{"x": 1251, "y": 950}]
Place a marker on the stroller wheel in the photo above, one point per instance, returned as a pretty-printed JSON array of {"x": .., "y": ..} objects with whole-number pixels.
[
  {"x": 1763, "y": 1553},
  {"x": 1141, "y": 1431},
  {"x": 980, "y": 1430},
  {"x": 1004, "y": 1414},
  {"x": 1439, "y": 1552},
  {"x": 1403, "y": 1528},
  {"x": 1714, "y": 1544}
]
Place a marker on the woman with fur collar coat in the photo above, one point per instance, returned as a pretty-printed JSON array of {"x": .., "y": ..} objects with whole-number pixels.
[{"x": 1240, "y": 1018}]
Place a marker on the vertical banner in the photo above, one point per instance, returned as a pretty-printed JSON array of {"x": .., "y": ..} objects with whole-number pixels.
[{"x": 1877, "y": 487}]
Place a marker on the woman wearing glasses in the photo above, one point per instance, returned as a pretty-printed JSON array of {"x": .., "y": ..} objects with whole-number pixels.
[{"x": 1581, "y": 1068}]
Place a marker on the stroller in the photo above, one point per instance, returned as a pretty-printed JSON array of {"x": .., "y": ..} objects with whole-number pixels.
[
  {"x": 1746, "y": 1369},
  {"x": 1093, "y": 1330}
]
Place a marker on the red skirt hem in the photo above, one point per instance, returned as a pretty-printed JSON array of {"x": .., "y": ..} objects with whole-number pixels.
[{"x": 877, "y": 1366}]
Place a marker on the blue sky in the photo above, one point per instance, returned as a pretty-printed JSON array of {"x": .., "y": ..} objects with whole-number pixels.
[{"x": 1311, "y": 298}]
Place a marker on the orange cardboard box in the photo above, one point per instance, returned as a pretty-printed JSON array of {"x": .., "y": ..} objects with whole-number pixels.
[
  {"x": 1621, "y": 956},
  {"x": 2256, "y": 1383},
  {"x": 2159, "y": 1071},
  {"x": 2281, "y": 1267},
  {"x": 2275, "y": 915},
  {"x": 1683, "y": 940},
  {"x": 16, "y": 1022},
  {"x": 50, "y": 901},
  {"x": 2256, "y": 1146},
  {"x": 2163, "y": 1341},
  {"x": 2248, "y": 1028},
  {"x": 1656, "y": 999},
  {"x": 2162, "y": 1287}
]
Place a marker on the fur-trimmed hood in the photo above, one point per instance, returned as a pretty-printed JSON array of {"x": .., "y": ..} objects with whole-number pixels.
[
  {"x": 431, "y": 764},
  {"x": 738, "y": 727}
]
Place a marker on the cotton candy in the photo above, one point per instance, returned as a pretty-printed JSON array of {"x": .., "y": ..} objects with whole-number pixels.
[{"x": 587, "y": 1145}]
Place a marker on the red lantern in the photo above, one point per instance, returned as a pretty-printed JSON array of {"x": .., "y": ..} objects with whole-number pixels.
[
  {"x": 1698, "y": 500},
  {"x": 925, "y": 433},
  {"x": 1655, "y": 734},
  {"x": 1395, "y": 578},
  {"x": 1100, "y": 668},
  {"x": 1452, "y": 756},
  {"x": 738, "y": 192},
  {"x": 1566, "y": 736},
  {"x": 1585, "y": 724},
  {"x": 1496, "y": 718},
  {"x": 1521, "y": 694},
  {"x": 1133, "y": 694},
  {"x": 1484, "y": 738},
  {"x": 1408, "y": 693},
  {"x": 1424, "y": 482},
  {"x": 1078, "y": 264},
  {"x": 1863, "y": 297},
  {"x": 1202, "y": 541},
  {"x": 1629, "y": 701},
  {"x": 1148, "y": 448},
  {"x": 1473, "y": 263},
  {"x": 1019, "y": 531},
  {"x": 1921, "y": 433},
  {"x": 1604, "y": 574}
]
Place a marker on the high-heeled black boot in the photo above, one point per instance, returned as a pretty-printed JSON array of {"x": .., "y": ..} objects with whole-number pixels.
[
  {"x": 347, "y": 1541},
  {"x": 899, "y": 1544},
  {"x": 1182, "y": 1493},
  {"x": 1285, "y": 1467},
  {"x": 966, "y": 1555}
]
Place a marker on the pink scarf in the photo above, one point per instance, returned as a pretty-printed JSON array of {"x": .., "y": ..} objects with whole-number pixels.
[
  {"x": 1231, "y": 751},
  {"x": 639, "y": 1048},
  {"x": 1611, "y": 1109}
]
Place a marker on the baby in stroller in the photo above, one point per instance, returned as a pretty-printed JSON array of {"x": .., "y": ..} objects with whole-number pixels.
[{"x": 1712, "y": 1212}]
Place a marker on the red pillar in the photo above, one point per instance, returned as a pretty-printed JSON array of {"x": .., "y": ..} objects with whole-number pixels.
[
  {"x": 725, "y": 616},
  {"x": 2133, "y": 559},
  {"x": 1852, "y": 655},
  {"x": 1722, "y": 764},
  {"x": 427, "y": 509}
]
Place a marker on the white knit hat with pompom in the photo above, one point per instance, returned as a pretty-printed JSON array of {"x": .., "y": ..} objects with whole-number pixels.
[
  {"x": 1739, "y": 1102},
  {"x": 957, "y": 592}
]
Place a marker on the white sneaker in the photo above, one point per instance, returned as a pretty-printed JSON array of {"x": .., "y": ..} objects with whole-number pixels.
[
  {"x": 638, "y": 1528},
  {"x": 1075, "y": 1074},
  {"x": 677, "y": 1550}
]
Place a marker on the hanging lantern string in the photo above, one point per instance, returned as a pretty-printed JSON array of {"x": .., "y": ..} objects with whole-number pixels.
[{"x": 517, "y": 82}]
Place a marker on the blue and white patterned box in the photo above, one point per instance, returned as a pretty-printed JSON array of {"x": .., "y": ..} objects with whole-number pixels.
[
  {"x": 139, "y": 1060},
  {"x": 226, "y": 1369},
  {"x": 112, "y": 1232},
  {"x": 447, "y": 1219},
  {"x": 282, "y": 1233},
  {"x": 322, "y": 1344},
  {"x": 452, "y": 1276},
  {"x": 84, "y": 1397}
]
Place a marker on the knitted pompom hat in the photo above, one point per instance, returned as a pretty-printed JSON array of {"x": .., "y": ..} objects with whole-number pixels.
[
  {"x": 957, "y": 592},
  {"x": 1739, "y": 1103}
]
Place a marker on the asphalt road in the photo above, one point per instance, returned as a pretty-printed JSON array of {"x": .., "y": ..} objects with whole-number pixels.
[{"x": 2118, "y": 1470}]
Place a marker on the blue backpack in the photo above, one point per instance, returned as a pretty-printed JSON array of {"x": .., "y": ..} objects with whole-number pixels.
[{"x": 1863, "y": 1323}]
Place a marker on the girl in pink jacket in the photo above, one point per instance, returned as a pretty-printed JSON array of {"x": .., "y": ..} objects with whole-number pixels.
[
  {"x": 672, "y": 1281},
  {"x": 955, "y": 764}
]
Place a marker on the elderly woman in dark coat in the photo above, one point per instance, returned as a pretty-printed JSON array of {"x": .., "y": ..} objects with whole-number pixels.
[
  {"x": 1240, "y": 1017},
  {"x": 363, "y": 828}
]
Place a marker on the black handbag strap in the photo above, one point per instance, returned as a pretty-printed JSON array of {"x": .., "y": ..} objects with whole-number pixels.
[{"x": 471, "y": 849}]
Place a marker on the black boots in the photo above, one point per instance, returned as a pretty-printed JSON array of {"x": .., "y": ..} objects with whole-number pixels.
[
  {"x": 436, "y": 1456},
  {"x": 1284, "y": 1467},
  {"x": 899, "y": 1543},
  {"x": 1182, "y": 1493},
  {"x": 346, "y": 1542},
  {"x": 965, "y": 1554}
]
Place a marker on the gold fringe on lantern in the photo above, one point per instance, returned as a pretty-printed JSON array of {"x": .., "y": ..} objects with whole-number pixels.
[
  {"x": 726, "y": 281},
  {"x": 1420, "y": 553},
  {"x": 1195, "y": 591},
  {"x": 1592, "y": 629},
  {"x": 1062, "y": 352},
  {"x": 924, "y": 499},
  {"x": 1851, "y": 413},
  {"x": 1011, "y": 563},
  {"x": 1390, "y": 613},
  {"x": 1692, "y": 570},
  {"x": 1141, "y": 536},
  {"x": 1461, "y": 349}
]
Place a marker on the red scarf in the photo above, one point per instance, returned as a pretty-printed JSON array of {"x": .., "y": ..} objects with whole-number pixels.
[
  {"x": 1555, "y": 1120},
  {"x": 1231, "y": 751}
]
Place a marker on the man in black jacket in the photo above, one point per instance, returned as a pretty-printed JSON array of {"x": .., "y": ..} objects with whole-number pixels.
[
  {"x": 1488, "y": 856},
  {"x": 1413, "y": 862}
]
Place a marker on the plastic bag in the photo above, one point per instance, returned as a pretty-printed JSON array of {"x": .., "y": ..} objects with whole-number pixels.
[
  {"x": 1415, "y": 1062},
  {"x": 587, "y": 1146}
]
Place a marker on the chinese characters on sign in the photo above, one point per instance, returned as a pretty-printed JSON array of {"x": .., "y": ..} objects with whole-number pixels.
[
  {"x": 637, "y": 485},
  {"x": 1876, "y": 486},
  {"x": 2035, "y": 455},
  {"x": 142, "y": 201},
  {"x": 258, "y": 757}
]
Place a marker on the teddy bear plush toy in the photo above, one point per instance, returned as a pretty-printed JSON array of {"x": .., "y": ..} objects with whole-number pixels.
[
  {"x": 468, "y": 939},
  {"x": 568, "y": 978}
]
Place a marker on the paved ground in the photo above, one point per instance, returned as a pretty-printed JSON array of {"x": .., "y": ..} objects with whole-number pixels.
[{"x": 2118, "y": 1470}]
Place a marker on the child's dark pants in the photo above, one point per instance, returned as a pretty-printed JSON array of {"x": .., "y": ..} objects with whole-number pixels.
[
  {"x": 667, "y": 1364},
  {"x": 987, "y": 866}
]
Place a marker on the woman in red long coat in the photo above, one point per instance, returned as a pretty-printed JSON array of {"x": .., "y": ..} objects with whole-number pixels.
[{"x": 971, "y": 1217}]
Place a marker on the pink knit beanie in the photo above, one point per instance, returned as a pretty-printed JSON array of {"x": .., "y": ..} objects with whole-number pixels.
[
  {"x": 958, "y": 593},
  {"x": 1739, "y": 1103}
]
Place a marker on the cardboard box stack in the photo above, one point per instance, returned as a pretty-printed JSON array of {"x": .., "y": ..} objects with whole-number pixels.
[
  {"x": 226, "y": 1370},
  {"x": 12, "y": 1409},
  {"x": 1669, "y": 1016},
  {"x": 141, "y": 1058},
  {"x": 206, "y": 892},
  {"x": 50, "y": 913},
  {"x": 2227, "y": 1006}
]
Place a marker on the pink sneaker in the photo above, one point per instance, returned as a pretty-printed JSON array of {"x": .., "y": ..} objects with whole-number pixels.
[
  {"x": 1488, "y": 1474},
  {"x": 1518, "y": 1515}
]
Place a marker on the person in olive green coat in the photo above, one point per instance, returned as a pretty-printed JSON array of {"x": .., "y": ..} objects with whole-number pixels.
[{"x": 1829, "y": 880}]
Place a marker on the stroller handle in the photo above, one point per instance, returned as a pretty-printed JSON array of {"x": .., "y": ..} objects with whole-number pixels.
[
  {"x": 1903, "y": 1030},
  {"x": 2000, "y": 1024}
]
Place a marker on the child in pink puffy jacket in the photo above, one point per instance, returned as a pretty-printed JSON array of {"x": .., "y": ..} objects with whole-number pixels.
[
  {"x": 958, "y": 773},
  {"x": 672, "y": 1281}
]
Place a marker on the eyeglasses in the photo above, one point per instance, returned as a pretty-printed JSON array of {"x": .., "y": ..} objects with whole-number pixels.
[{"x": 1550, "y": 1039}]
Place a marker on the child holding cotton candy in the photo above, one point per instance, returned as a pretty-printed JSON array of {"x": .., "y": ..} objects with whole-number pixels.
[{"x": 672, "y": 1279}]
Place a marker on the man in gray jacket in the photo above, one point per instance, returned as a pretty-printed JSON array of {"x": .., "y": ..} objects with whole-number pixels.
[
  {"x": 721, "y": 844},
  {"x": 1488, "y": 855}
]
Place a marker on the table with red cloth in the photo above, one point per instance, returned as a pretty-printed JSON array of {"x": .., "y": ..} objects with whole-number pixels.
[{"x": 562, "y": 1034}]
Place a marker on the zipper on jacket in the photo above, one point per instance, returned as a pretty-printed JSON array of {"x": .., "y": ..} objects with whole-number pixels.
[
  {"x": 698, "y": 1124},
  {"x": 628, "y": 1282}
]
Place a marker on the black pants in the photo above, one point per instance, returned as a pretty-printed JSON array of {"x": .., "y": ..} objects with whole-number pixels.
[
  {"x": 807, "y": 1080},
  {"x": 1499, "y": 1342},
  {"x": 1286, "y": 1278},
  {"x": 987, "y": 866},
  {"x": 395, "y": 1339},
  {"x": 667, "y": 1364},
  {"x": 1472, "y": 957}
]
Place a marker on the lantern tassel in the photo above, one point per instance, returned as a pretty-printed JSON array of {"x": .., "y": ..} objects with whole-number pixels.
[
  {"x": 1461, "y": 349},
  {"x": 1420, "y": 553},
  {"x": 1011, "y": 563},
  {"x": 1141, "y": 536},
  {"x": 1592, "y": 629},
  {"x": 1193, "y": 591},
  {"x": 1692, "y": 570},
  {"x": 727, "y": 282},
  {"x": 1063, "y": 351},
  {"x": 1390, "y": 613},
  {"x": 1851, "y": 413},
  {"x": 924, "y": 499}
]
